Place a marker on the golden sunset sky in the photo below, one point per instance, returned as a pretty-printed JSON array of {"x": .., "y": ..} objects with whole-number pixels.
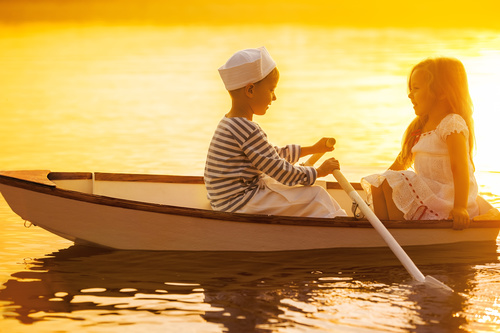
[{"x": 358, "y": 13}]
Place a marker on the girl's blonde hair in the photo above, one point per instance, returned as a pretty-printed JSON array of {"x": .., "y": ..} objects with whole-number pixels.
[{"x": 447, "y": 76}]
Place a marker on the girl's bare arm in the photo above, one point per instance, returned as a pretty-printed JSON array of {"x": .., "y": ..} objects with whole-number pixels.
[{"x": 459, "y": 158}]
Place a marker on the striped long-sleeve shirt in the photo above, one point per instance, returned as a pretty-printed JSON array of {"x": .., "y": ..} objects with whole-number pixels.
[{"x": 239, "y": 154}]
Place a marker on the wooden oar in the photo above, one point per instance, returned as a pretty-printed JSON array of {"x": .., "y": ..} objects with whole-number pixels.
[
  {"x": 386, "y": 235},
  {"x": 379, "y": 226}
]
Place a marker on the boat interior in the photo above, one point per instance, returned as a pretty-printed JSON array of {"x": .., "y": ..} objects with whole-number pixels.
[{"x": 185, "y": 191}]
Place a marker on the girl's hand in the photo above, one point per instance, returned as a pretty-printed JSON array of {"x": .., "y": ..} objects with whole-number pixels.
[
  {"x": 461, "y": 219},
  {"x": 327, "y": 167}
]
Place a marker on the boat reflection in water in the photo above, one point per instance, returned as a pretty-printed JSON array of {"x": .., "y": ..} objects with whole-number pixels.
[{"x": 244, "y": 292}]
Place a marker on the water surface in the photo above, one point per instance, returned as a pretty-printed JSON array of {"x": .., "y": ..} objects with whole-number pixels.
[{"x": 146, "y": 99}]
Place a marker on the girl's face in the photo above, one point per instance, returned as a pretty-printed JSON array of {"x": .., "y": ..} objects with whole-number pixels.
[
  {"x": 264, "y": 93},
  {"x": 421, "y": 96}
]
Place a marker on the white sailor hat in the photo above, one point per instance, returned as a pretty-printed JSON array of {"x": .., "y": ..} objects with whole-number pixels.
[{"x": 246, "y": 66}]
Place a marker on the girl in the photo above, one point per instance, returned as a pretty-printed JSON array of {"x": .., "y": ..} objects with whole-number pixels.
[{"x": 439, "y": 144}]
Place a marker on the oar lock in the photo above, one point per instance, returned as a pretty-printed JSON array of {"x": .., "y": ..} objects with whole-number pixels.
[{"x": 358, "y": 214}]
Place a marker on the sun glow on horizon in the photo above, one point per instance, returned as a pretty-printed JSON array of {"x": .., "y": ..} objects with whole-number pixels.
[
  {"x": 484, "y": 85},
  {"x": 361, "y": 13}
]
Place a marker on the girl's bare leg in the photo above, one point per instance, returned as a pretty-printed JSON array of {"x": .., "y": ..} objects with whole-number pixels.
[
  {"x": 383, "y": 205},
  {"x": 393, "y": 211},
  {"x": 379, "y": 203}
]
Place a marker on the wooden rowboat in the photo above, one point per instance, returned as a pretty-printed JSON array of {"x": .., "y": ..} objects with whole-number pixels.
[{"x": 157, "y": 212}]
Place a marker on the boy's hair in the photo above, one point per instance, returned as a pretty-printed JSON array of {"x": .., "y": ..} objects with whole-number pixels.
[{"x": 447, "y": 76}]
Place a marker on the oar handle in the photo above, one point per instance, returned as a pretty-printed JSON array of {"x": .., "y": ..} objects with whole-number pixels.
[{"x": 315, "y": 157}]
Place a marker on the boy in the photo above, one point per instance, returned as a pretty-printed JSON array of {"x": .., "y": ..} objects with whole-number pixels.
[{"x": 244, "y": 173}]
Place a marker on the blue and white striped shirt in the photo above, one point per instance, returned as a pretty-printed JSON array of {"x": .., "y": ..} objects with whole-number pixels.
[{"x": 239, "y": 154}]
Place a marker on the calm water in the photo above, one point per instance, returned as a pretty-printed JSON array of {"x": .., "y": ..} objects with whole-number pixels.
[{"x": 146, "y": 99}]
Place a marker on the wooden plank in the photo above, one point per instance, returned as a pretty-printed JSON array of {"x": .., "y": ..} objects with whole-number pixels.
[
  {"x": 122, "y": 177},
  {"x": 69, "y": 175},
  {"x": 31, "y": 176},
  {"x": 336, "y": 186},
  {"x": 148, "y": 178}
]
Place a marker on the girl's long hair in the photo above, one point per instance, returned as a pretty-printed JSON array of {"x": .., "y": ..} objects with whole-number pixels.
[{"x": 446, "y": 76}]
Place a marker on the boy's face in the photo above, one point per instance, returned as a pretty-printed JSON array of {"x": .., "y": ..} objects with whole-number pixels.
[{"x": 263, "y": 94}]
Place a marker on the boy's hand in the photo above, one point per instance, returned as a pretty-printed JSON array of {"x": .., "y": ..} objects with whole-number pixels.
[
  {"x": 324, "y": 145},
  {"x": 327, "y": 167}
]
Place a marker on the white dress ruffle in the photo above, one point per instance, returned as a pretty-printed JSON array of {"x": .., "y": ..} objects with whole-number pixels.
[{"x": 428, "y": 192}]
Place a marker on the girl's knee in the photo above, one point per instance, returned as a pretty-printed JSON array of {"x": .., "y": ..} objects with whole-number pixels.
[
  {"x": 385, "y": 186},
  {"x": 378, "y": 191}
]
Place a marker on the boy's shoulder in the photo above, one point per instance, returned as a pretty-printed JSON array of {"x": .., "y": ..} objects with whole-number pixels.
[{"x": 241, "y": 129}]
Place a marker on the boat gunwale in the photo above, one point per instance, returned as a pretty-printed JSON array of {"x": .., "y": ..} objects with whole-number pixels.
[{"x": 34, "y": 181}]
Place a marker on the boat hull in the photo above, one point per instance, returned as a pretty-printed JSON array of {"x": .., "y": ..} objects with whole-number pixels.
[{"x": 90, "y": 219}]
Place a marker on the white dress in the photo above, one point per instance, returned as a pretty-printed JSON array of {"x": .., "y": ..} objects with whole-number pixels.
[{"x": 428, "y": 192}]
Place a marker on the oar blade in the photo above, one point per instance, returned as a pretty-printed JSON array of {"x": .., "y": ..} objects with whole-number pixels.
[{"x": 435, "y": 283}]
